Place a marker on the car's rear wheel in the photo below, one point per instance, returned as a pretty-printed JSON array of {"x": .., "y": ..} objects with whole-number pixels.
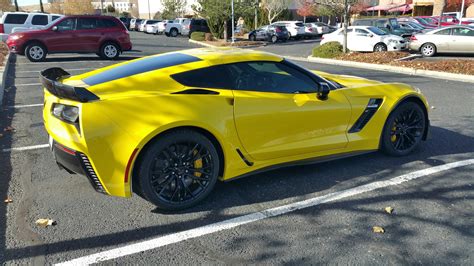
[
  {"x": 178, "y": 170},
  {"x": 428, "y": 49},
  {"x": 274, "y": 39},
  {"x": 252, "y": 38},
  {"x": 403, "y": 129},
  {"x": 109, "y": 51},
  {"x": 35, "y": 52},
  {"x": 380, "y": 47},
  {"x": 174, "y": 32}
]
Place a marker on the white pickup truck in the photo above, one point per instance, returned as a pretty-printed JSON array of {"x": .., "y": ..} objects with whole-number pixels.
[{"x": 176, "y": 28}]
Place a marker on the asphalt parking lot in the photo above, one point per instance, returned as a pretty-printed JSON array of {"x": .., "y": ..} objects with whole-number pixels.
[{"x": 432, "y": 222}]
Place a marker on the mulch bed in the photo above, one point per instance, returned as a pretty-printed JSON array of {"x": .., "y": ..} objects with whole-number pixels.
[
  {"x": 457, "y": 66},
  {"x": 3, "y": 52},
  {"x": 236, "y": 44}
]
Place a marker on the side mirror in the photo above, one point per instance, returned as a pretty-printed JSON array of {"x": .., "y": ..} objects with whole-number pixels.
[
  {"x": 55, "y": 28},
  {"x": 370, "y": 35},
  {"x": 323, "y": 91}
]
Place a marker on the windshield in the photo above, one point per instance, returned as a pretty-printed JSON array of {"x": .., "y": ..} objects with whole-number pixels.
[
  {"x": 394, "y": 23},
  {"x": 377, "y": 31},
  {"x": 416, "y": 26}
]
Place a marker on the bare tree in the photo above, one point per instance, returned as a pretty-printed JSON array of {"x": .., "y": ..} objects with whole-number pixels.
[
  {"x": 274, "y": 8},
  {"x": 41, "y": 6},
  {"x": 443, "y": 6},
  {"x": 16, "y": 5},
  {"x": 78, "y": 7},
  {"x": 5, "y": 5}
]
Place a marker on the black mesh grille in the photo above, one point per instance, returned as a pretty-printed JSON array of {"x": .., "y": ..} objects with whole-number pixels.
[{"x": 90, "y": 173}]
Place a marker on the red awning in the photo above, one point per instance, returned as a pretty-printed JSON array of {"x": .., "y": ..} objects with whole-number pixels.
[
  {"x": 403, "y": 9},
  {"x": 382, "y": 8}
]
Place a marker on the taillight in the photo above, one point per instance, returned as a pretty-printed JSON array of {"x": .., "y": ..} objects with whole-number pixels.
[
  {"x": 2, "y": 29},
  {"x": 165, "y": 24},
  {"x": 310, "y": 29},
  {"x": 413, "y": 38}
]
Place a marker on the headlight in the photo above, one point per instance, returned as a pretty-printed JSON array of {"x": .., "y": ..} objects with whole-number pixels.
[
  {"x": 392, "y": 41},
  {"x": 66, "y": 113}
]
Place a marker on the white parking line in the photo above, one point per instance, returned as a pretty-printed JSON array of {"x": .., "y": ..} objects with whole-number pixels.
[
  {"x": 34, "y": 71},
  {"x": 25, "y": 106},
  {"x": 253, "y": 217},
  {"x": 27, "y": 148},
  {"x": 28, "y": 84}
]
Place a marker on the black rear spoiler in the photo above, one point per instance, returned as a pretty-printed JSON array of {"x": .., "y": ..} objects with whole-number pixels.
[{"x": 50, "y": 80}]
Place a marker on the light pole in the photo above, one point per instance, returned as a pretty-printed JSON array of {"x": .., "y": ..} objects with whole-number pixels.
[
  {"x": 149, "y": 12},
  {"x": 256, "y": 14},
  {"x": 462, "y": 11},
  {"x": 233, "y": 36}
]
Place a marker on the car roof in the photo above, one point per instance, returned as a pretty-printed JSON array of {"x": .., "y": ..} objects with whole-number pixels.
[{"x": 225, "y": 55}]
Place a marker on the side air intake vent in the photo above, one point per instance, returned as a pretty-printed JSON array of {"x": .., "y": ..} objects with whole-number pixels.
[
  {"x": 368, "y": 113},
  {"x": 90, "y": 173}
]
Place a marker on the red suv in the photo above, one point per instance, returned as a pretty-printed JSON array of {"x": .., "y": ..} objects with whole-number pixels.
[{"x": 106, "y": 36}]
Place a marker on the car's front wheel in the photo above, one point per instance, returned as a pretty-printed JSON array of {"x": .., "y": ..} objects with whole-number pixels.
[
  {"x": 178, "y": 170},
  {"x": 35, "y": 52},
  {"x": 404, "y": 129},
  {"x": 174, "y": 32},
  {"x": 109, "y": 51},
  {"x": 380, "y": 47}
]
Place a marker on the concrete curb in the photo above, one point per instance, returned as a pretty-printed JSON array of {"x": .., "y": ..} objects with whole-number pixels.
[
  {"x": 3, "y": 76},
  {"x": 395, "y": 69},
  {"x": 215, "y": 46}
]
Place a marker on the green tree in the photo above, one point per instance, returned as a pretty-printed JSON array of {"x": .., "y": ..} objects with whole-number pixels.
[
  {"x": 173, "y": 8},
  {"x": 110, "y": 9}
]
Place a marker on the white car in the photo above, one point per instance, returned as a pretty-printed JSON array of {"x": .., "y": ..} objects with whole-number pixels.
[
  {"x": 367, "y": 39},
  {"x": 21, "y": 21},
  {"x": 310, "y": 31},
  {"x": 321, "y": 27},
  {"x": 151, "y": 28},
  {"x": 145, "y": 23},
  {"x": 451, "y": 39},
  {"x": 296, "y": 29},
  {"x": 176, "y": 27},
  {"x": 160, "y": 27}
]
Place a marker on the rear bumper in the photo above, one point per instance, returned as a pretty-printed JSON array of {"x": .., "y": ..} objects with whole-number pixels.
[{"x": 75, "y": 162}]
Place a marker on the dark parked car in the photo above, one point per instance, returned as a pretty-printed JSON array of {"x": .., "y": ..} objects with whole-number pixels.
[
  {"x": 271, "y": 33},
  {"x": 106, "y": 36},
  {"x": 125, "y": 21},
  {"x": 193, "y": 25},
  {"x": 389, "y": 25}
]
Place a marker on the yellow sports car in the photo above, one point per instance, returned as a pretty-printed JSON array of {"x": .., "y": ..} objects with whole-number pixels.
[{"x": 168, "y": 126}]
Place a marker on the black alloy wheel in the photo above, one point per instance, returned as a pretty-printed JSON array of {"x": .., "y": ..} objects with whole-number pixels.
[
  {"x": 404, "y": 129},
  {"x": 178, "y": 170}
]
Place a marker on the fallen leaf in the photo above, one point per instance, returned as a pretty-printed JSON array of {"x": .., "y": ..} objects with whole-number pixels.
[
  {"x": 45, "y": 222},
  {"x": 378, "y": 229},
  {"x": 8, "y": 200},
  {"x": 9, "y": 128},
  {"x": 388, "y": 210},
  {"x": 432, "y": 107}
]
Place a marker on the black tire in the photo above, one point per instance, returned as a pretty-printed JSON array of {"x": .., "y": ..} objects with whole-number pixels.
[
  {"x": 380, "y": 47},
  {"x": 174, "y": 32},
  {"x": 252, "y": 38},
  {"x": 36, "y": 52},
  {"x": 109, "y": 51},
  {"x": 178, "y": 170},
  {"x": 274, "y": 39},
  {"x": 428, "y": 49},
  {"x": 403, "y": 130},
  {"x": 167, "y": 34}
]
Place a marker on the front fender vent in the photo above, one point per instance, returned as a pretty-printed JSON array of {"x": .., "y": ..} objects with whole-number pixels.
[{"x": 368, "y": 113}]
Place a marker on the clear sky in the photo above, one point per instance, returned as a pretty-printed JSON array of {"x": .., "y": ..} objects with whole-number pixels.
[{"x": 29, "y": 2}]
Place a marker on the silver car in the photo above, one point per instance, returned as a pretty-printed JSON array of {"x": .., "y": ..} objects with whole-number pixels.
[{"x": 452, "y": 39}]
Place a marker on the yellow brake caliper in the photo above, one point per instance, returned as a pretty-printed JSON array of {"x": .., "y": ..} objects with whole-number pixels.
[
  {"x": 393, "y": 138},
  {"x": 197, "y": 164}
]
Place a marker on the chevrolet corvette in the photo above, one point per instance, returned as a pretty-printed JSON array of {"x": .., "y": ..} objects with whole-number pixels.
[{"x": 168, "y": 126}]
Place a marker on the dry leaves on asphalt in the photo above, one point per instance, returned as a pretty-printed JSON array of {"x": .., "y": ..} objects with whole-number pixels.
[
  {"x": 378, "y": 229},
  {"x": 388, "y": 210},
  {"x": 45, "y": 222},
  {"x": 9, "y": 129}
]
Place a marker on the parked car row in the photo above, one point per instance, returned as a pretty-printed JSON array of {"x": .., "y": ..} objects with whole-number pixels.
[
  {"x": 171, "y": 28},
  {"x": 450, "y": 39},
  {"x": 285, "y": 30},
  {"x": 21, "y": 21}
]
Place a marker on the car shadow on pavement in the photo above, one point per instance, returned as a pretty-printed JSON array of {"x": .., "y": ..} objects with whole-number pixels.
[{"x": 265, "y": 190}]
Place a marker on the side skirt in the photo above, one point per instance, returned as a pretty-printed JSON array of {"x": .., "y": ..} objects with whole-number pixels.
[{"x": 302, "y": 162}]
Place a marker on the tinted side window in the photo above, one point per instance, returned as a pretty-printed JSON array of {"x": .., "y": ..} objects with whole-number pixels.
[
  {"x": 15, "y": 18},
  {"x": 463, "y": 32},
  {"x": 54, "y": 18},
  {"x": 443, "y": 32},
  {"x": 217, "y": 77},
  {"x": 270, "y": 77},
  {"x": 86, "y": 23},
  {"x": 67, "y": 24},
  {"x": 39, "y": 20},
  {"x": 105, "y": 23}
]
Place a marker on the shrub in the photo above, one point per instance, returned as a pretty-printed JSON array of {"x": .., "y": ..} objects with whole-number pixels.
[
  {"x": 198, "y": 36},
  {"x": 328, "y": 50},
  {"x": 209, "y": 37}
]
